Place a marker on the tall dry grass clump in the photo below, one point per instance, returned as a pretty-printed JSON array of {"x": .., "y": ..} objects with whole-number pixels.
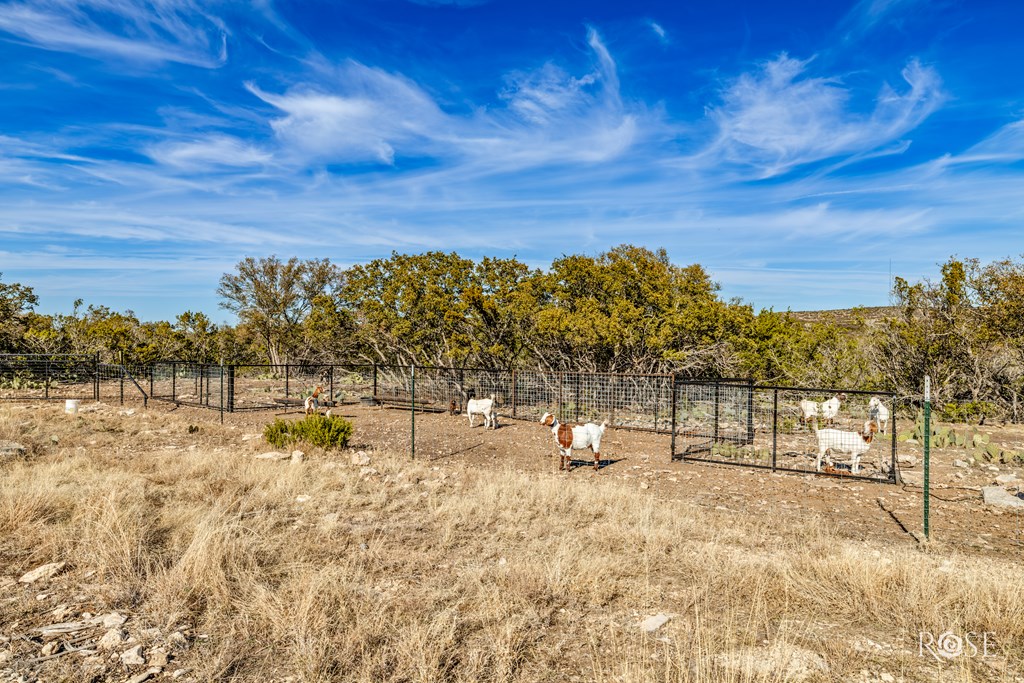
[{"x": 412, "y": 571}]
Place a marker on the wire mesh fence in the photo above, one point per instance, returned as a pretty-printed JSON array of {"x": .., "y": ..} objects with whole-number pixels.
[
  {"x": 192, "y": 384},
  {"x": 785, "y": 428},
  {"x": 48, "y": 376},
  {"x": 262, "y": 387}
]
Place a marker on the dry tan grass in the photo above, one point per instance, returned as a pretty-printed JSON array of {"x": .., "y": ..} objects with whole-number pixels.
[{"x": 421, "y": 573}]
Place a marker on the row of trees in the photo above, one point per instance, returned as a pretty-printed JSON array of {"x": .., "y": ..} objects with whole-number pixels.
[{"x": 627, "y": 310}]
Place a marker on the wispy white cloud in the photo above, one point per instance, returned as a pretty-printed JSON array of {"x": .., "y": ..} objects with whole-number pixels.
[
  {"x": 659, "y": 31},
  {"x": 358, "y": 114},
  {"x": 867, "y": 15},
  {"x": 209, "y": 152},
  {"x": 160, "y": 31},
  {"x": 776, "y": 117}
]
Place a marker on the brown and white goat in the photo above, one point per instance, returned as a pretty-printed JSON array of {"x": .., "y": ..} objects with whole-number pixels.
[
  {"x": 571, "y": 438},
  {"x": 312, "y": 402}
]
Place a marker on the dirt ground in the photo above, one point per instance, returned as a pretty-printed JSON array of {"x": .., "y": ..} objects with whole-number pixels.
[{"x": 959, "y": 519}]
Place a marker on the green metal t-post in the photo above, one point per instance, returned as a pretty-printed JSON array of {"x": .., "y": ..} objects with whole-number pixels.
[
  {"x": 927, "y": 448},
  {"x": 412, "y": 404}
]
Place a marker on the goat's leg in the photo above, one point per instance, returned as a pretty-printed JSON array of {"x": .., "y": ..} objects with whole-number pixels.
[{"x": 597, "y": 460}]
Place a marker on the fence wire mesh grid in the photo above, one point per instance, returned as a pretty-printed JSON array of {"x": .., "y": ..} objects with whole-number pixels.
[
  {"x": 725, "y": 421},
  {"x": 48, "y": 377},
  {"x": 787, "y": 429}
]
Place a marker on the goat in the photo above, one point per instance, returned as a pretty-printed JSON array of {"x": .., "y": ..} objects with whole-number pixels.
[
  {"x": 313, "y": 401},
  {"x": 575, "y": 437},
  {"x": 839, "y": 441},
  {"x": 485, "y": 407},
  {"x": 878, "y": 413},
  {"x": 453, "y": 408},
  {"x": 808, "y": 411},
  {"x": 830, "y": 408}
]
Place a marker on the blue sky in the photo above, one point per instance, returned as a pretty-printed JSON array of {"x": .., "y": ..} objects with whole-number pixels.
[{"x": 800, "y": 151}]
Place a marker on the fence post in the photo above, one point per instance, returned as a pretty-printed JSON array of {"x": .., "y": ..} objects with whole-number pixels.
[
  {"x": 561, "y": 382},
  {"x": 330, "y": 379},
  {"x": 287, "y": 372},
  {"x": 152, "y": 372},
  {"x": 412, "y": 404},
  {"x": 576, "y": 402},
  {"x": 96, "y": 377},
  {"x": 221, "y": 394},
  {"x": 775, "y": 428},
  {"x": 750, "y": 411},
  {"x": 174, "y": 381},
  {"x": 927, "y": 448},
  {"x": 673, "y": 420},
  {"x": 375, "y": 381},
  {"x": 718, "y": 405},
  {"x": 892, "y": 428},
  {"x": 231, "y": 388},
  {"x": 515, "y": 386},
  {"x": 657, "y": 403}
]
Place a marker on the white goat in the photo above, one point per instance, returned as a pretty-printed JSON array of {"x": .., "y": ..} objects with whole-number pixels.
[
  {"x": 575, "y": 437},
  {"x": 878, "y": 413},
  {"x": 808, "y": 411},
  {"x": 830, "y": 408},
  {"x": 839, "y": 441},
  {"x": 485, "y": 407}
]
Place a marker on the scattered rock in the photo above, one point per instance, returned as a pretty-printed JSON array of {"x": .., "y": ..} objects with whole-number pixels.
[
  {"x": 1004, "y": 479},
  {"x": 302, "y": 499},
  {"x": 178, "y": 673},
  {"x": 644, "y": 485},
  {"x": 126, "y": 413},
  {"x": 369, "y": 471},
  {"x": 250, "y": 437},
  {"x": 906, "y": 460},
  {"x": 11, "y": 448},
  {"x": 177, "y": 639},
  {"x": 111, "y": 639},
  {"x": 51, "y": 648},
  {"x": 912, "y": 478},
  {"x": 961, "y": 463},
  {"x": 1000, "y": 497},
  {"x": 133, "y": 657},
  {"x": 45, "y": 572},
  {"x": 778, "y": 662},
  {"x": 652, "y": 624},
  {"x": 145, "y": 675},
  {"x": 112, "y": 620},
  {"x": 297, "y": 457},
  {"x": 158, "y": 658},
  {"x": 360, "y": 459},
  {"x": 273, "y": 455}
]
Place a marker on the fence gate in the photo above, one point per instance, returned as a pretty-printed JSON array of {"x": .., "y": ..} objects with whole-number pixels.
[{"x": 777, "y": 428}]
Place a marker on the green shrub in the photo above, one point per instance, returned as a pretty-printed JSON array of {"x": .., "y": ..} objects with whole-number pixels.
[
  {"x": 967, "y": 412},
  {"x": 279, "y": 433},
  {"x": 316, "y": 430}
]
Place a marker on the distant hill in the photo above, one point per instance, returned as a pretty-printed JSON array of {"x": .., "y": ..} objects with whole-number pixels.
[{"x": 845, "y": 317}]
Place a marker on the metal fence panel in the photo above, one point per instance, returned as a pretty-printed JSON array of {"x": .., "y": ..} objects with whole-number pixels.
[
  {"x": 769, "y": 427},
  {"x": 48, "y": 376}
]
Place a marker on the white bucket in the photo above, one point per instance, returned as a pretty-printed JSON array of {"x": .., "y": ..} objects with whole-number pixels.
[{"x": 71, "y": 406}]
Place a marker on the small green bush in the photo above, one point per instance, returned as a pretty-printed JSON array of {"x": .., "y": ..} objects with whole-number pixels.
[
  {"x": 967, "y": 412},
  {"x": 316, "y": 430},
  {"x": 279, "y": 433}
]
